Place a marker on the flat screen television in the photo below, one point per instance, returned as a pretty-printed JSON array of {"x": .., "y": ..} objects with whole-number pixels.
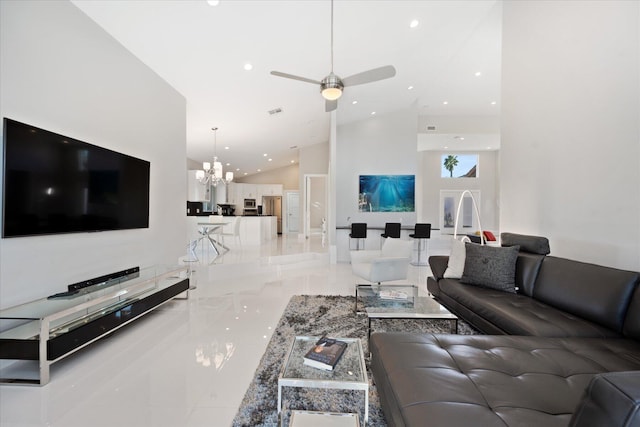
[{"x": 56, "y": 184}]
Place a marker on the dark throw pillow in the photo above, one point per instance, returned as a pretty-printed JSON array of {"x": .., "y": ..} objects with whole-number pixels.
[{"x": 491, "y": 266}]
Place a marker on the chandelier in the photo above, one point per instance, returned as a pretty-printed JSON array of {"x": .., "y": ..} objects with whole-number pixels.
[{"x": 213, "y": 175}]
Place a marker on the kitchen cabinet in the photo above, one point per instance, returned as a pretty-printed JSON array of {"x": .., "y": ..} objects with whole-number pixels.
[
  {"x": 269, "y": 190},
  {"x": 196, "y": 192}
]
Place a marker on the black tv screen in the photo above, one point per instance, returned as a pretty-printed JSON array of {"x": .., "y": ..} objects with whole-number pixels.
[{"x": 56, "y": 184}]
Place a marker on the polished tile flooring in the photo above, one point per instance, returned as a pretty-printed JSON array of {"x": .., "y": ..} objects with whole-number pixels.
[{"x": 189, "y": 362}]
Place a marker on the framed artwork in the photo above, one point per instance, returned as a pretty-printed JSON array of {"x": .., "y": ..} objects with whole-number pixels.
[
  {"x": 467, "y": 222},
  {"x": 387, "y": 193},
  {"x": 459, "y": 166}
]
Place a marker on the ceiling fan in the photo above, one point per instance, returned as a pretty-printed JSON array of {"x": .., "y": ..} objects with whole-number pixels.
[{"x": 331, "y": 86}]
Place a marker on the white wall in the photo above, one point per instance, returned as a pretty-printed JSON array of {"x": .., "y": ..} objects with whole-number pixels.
[
  {"x": 380, "y": 145},
  {"x": 570, "y": 157},
  {"x": 287, "y": 176},
  {"x": 486, "y": 183},
  {"x": 61, "y": 72}
]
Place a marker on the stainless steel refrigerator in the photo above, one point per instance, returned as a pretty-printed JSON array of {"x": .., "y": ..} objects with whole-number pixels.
[{"x": 272, "y": 205}]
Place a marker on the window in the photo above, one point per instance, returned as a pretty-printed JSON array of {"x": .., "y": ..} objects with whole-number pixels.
[{"x": 459, "y": 166}]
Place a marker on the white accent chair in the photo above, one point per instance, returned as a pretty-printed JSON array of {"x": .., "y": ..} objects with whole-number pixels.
[{"x": 389, "y": 263}]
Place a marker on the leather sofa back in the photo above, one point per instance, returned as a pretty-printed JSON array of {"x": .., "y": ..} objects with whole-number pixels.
[
  {"x": 597, "y": 293},
  {"x": 631, "y": 327},
  {"x": 527, "y": 269}
]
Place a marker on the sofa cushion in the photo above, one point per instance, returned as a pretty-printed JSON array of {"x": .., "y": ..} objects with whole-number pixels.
[
  {"x": 527, "y": 268},
  {"x": 456, "y": 380},
  {"x": 593, "y": 292},
  {"x": 532, "y": 244},
  {"x": 455, "y": 265},
  {"x": 514, "y": 314},
  {"x": 491, "y": 267}
]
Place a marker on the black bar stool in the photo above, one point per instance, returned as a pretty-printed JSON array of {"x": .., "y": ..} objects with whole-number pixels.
[
  {"x": 421, "y": 232},
  {"x": 391, "y": 230},
  {"x": 358, "y": 231}
]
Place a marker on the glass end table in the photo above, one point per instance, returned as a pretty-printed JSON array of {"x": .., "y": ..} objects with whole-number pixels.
[{"x": 349, "y": 374}]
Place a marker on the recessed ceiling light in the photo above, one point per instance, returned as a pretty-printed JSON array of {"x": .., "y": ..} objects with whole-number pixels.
[
  {"x": 293, "y": 161},
  {"x": 226, "y": 148},
  {"x": 248, "y": 67},
  {"x": 493, "y": 102},
  {"x": 264, "y": 155},
  {"x": 373, "y": 113},
  {"x": 446, "y": 146},
  {"x": 478, "y": 74},
  {"x": 414, "y": 23},
  {"x": 213, "y": 2},
  {"x": 246, "y": 173},
  {"x": 354, "y": 102},
  {"x": 228, "y": 164},
  {"x": 445, "y": 102},
  {"x": 237, "y": 169},
  {"x": 270, "y": 160},
  {"x": 410, "y": 87},
  {"x": 488, "y": 148},
  {"x": 259, "y": 170}
]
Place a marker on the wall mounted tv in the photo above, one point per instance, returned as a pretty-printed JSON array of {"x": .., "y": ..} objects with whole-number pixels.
[{"x": 56, "y": 184}]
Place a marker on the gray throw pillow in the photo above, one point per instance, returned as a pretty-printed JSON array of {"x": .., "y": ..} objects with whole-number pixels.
[{"x": 490, "y": 266}]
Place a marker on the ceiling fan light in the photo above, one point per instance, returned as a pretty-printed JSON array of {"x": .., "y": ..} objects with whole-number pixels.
[{"x": 331, "y": 93}]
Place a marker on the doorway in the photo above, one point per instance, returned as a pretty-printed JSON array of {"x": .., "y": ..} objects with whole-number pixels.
[
  {"x": 315, "y": 204},
  {"x": 293, "y": 211}
]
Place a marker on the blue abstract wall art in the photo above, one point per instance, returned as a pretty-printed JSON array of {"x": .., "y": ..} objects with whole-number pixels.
[{"x": 387, "y": 193}]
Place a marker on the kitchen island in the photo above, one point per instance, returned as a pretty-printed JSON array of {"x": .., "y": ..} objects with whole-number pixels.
[{"x": 254, "y": 229}]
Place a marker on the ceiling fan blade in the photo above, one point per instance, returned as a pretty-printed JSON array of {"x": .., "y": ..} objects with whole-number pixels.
[
  {"x": 376, "y": 74},
  {"x": 330, "y": 105},
  {"x": 291, "y": 76}
]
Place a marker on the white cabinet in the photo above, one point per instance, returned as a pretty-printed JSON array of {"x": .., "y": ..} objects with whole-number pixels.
[
  {"x": 250, "y": 191},
  {"x": 269, "y": 190},
  {"x": 232, "y": 193},
  {"x": 238, "y": 191},
  {"x": 196, "y": 192}
]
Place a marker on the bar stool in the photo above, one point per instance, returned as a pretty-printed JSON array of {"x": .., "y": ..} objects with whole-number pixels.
[
  {"x": 358, "y": 231},
  {"x": 421, "y": 232},
  {"x": 391, "y": 230}
]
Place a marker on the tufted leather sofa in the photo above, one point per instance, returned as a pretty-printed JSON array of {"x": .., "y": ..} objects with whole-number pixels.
[{"x": 563, "y": 351}]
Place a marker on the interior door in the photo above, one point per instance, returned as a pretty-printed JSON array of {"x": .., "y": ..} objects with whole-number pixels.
[{"x": 293, "y": 212}]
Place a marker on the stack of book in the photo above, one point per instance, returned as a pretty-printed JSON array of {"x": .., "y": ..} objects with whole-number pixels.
[
  {"x": 325, "y": 354},
  {"x": 393, "y": 295}
]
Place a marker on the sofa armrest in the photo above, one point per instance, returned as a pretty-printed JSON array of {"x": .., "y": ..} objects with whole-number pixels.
[
  {"x": 611, "y": 399},
  {"x": 359, "y": 257},
  {"x": 438, "y": 264}
]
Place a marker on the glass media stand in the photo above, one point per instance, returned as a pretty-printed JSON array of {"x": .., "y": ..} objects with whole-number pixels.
[{"x": 47, "y": 330}]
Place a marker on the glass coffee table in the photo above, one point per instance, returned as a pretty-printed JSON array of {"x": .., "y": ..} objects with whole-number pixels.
[
  {"x": 349, "y": 374},
  {"x": 400, "y": 302}
]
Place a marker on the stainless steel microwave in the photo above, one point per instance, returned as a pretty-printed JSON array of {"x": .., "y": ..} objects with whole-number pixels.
[{"x": 249, "y": 203}]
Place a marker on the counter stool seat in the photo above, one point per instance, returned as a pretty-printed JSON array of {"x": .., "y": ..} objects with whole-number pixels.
[{"x": 421, "y": 232}]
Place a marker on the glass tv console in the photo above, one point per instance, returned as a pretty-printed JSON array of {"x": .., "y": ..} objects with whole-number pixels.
[{"x": 45, "y": 331}]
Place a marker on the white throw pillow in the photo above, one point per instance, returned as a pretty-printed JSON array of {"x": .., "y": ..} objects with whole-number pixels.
[{"x": 455, "y": 268}]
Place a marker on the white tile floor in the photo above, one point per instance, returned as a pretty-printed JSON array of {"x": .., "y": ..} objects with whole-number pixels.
[{"x": 189, "y": 362}]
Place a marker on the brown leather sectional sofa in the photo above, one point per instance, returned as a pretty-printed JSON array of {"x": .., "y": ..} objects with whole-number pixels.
[{"x": 562, "y": 351}]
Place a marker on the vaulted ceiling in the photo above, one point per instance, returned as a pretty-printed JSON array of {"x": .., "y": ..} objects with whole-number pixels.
[{"x": 447, "y": 65}]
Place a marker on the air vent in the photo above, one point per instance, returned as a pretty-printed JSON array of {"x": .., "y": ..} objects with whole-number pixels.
[
  {"x": 431, "y": 128},
  {"x": 275, "y": 111}
]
